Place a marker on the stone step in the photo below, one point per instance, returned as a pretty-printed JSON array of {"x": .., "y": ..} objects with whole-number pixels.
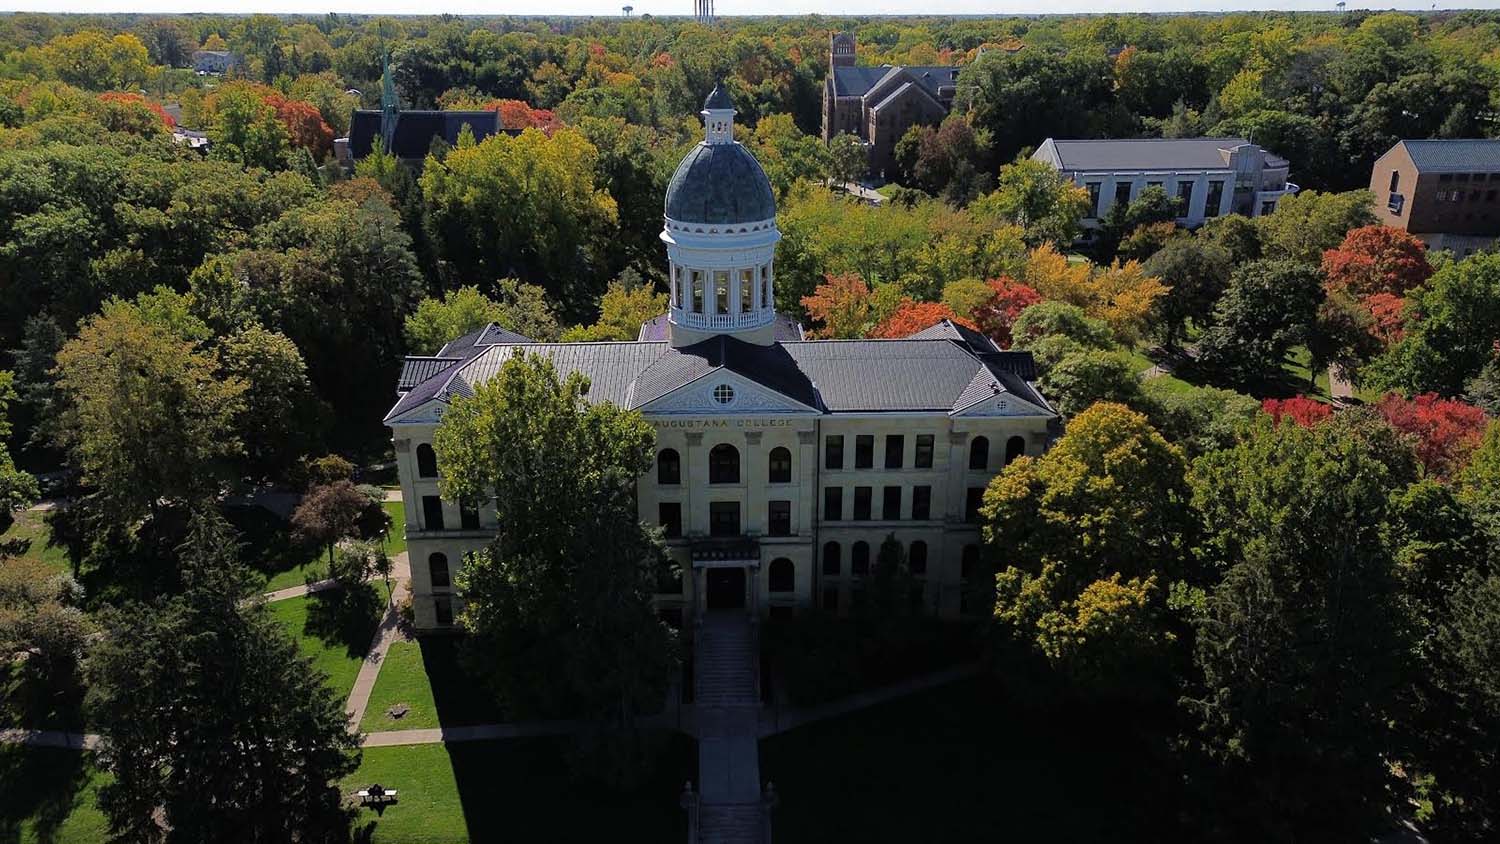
[{"x": 733, "y": 823}]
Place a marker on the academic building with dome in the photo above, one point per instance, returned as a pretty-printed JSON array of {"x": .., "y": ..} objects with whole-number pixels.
[{"x": 782, "y": 463}]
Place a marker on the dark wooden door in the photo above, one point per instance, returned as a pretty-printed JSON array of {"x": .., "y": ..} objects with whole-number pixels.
[{"x": 726, "y": 588}]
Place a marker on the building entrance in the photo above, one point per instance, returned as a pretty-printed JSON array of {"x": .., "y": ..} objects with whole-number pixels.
[{"x": 725, "y": 588}]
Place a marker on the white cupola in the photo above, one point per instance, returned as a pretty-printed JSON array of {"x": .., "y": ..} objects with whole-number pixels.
[{"x": 721, "y": 237}]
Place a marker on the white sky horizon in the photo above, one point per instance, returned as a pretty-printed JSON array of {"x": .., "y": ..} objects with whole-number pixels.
[{"x": 726, "y": 8}]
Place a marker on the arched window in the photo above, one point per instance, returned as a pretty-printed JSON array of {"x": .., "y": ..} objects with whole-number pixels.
[
  {"x": 668, "y": 467},
  {"x": 979, "y": 454},
  {"x": 437, "y": 565},
  {"x": 916, "y": 558},
  {"x": 426, "y": 461},
  {"x": 1014, "y": 447},
  {"x": 781, "y": 466},
  {"x": 783, "y": 575},
  {"x": 724, "y": 464},
  {"x": 831, "y": 560},
  {"x": 859, "y": 559}
]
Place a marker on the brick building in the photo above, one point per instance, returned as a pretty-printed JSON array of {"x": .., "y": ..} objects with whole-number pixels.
[
  {"x": 1444, "y": 192},
  {"x": 878, "y": 104}
]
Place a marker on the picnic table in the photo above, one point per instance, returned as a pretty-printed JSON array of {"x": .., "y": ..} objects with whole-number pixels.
[{"x": 376, "y": 795}]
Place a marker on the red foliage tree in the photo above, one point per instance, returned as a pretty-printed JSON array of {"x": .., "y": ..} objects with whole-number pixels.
[
  {"x": 1387, "y": 309},
  {"x": 912, "y": 317},
  {"x": 1376, "y": 259},
  {"x": 516, "y": 114},
  {"x": 305, "y": 126},
  {"x": 1301, "y": 410},
  {"x": 1447, "y": 430},
  {"x": 999, "y": 312}
]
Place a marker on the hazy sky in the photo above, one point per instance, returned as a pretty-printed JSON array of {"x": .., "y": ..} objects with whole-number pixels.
[{"x": 725, "y": 7}]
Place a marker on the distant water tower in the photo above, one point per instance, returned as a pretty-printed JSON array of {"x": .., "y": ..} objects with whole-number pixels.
[
  {"x": 627, "y": 10},
  {"x": 703, "y": 11},
  {"x": 1339, "y": 5}
]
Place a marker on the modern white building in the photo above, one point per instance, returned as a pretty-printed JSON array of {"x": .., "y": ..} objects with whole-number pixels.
[
  {"x": 782, "y": 463},
  {"x": 1210, "y": 177}
]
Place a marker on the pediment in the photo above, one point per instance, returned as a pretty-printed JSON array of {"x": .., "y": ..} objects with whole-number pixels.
[
  {"x": 705, "y": 396},
  {"x": 1003, "y": 404}
]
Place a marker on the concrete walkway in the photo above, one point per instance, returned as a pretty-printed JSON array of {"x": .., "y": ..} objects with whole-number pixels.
[
  {"x": 393, "y": 495},
  {"x": 298, "y": 591},
  {"x": 51, "y": 738},
  {"x": 729, "y": 807},
  {"x": 388, "y": 632}
]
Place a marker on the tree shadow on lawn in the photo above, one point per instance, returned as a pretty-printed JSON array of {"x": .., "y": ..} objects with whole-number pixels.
[
  {"x": 528, "y": 788},
  {"x": 268, "y": 545},
  {"x": 39, "y": 785},
  {"x": 346, "y": 617},
  {"x": 459, "y": 697}
]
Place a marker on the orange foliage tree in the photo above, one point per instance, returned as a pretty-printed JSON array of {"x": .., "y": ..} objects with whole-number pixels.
[
  {"x": 305, "y": 126},
  {"x": 1447, "y": 430},
  {"x": 842, "y": 304},
  {"x": 912, "y": 317},
  {"x": 516, "y": 114},
  {"x": 136, "y": 101},
  {"x": 1301, "y": 410}
]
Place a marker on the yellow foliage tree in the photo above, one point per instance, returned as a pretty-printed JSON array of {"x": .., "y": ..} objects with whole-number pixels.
[{"x": 1121, "y": 294}]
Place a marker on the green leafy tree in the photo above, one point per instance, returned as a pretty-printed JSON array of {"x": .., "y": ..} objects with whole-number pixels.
[
  {"x": 145, "y": 416},
  {"x": 1086, "y": 376},
  {"x": 18, "y": 489},
  {"x": 1151, "y": 206},
  {"x": 1306, "y": 225},
  {"x": 1035, "y": 196},
  {"x": 1451, "y": 335},
  {"x": 218, "y": 729},
  {"x": 1196, "y": 273},
  {"x": 847, "y": 159},
  {"x": 1301, "y": 649},
  {"x": 558, "y": 608},
  {"x": 1269, "y": 307},
  {"x": 1089, "y": 536},
  {"x": 622, "y": 309}
]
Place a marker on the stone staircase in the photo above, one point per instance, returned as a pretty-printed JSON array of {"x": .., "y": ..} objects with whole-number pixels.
[{"x": 728, "y": 718}]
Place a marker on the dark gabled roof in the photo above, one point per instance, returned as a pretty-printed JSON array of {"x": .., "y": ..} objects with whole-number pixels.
[
  {"x": 415, "y": 130},
  {"x": 658, "y": 328},
  {"x": 770, "y": 366},
  {"x": 857, "y": 81},
  {"x": 720, "y": 183},
  {"x": 941, "y": 374},
  {"x": 415, "y": 370},
  {"x": 949, "y": 330},
  {"x": 1454, "y": 156}
]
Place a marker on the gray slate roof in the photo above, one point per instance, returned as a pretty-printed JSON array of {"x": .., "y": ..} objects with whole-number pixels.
[
  {"x": 1144, "y": 153},
  {"x": 720, "y": 183},
  {"x": 857, "y": 81},
  {"x": 718, "y": 98},
  {"x": 1454, "y": 156},
  {"x": 949, "y": 330},
  {"x": 940, "y": 374}
]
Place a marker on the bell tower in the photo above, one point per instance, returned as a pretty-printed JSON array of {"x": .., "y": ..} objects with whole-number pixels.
[{"x": 841, "y": 49}]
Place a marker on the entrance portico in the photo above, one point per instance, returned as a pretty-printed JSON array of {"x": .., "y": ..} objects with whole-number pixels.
[{"x": 725, "y": 575}]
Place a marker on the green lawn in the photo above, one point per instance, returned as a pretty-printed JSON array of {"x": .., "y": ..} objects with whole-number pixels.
[
  {"x": 425, "y": 676},
  {"x": 967, "y": 762},
  {"x": 1170, "y": 382},
  {"x": 1296, "y": 368},
  {"x": 29, "y": 536},
  {"x": 270, "y": 549},
  {"x": 49, "y": 797},
  {"x": 334, "y": 629},
  {"x": 396, "y": 539},
  {"x": 516, "y": 790}
]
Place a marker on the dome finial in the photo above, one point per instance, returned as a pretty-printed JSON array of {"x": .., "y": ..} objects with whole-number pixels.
[{"x": 718, "y": 98}]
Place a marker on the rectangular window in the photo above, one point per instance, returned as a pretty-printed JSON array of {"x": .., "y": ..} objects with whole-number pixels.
[
  {"x": 437, "y": 571},
  {"x": 1184, "y": 198},
  {"x": 1442, "y": 195},
  {"x": 895, "y": 451},
  {"x": 1215, "y": 199},
  {"x": 724, "y": 518},
  {"x": 833, "y": 452},
  {"x": 1122, "y": 193},
  {"x": 890, "y": 505},
  {"x": 670, "y": 516},
  {"x": 697, "y": 291},
  {"x": 747, "y": 289},
  {"x": 864, "y": 451},
  {"x": 721, "y": 292},
  {"x": 765, "y": 285},
  {"x": 779, "y": 518},
  {"x": 862, "y": 503},
  {"x": 677, "y": 282},
  {"x": 833, "y": 504},
  {"x": 468, "y": 516},
  {"x": 924, "y": 451},
  {"x": 1093, "y": 189},
  {"x": 443, "y": 609},
  {"x": 1154, "y": 184},
  {"x": 432, "y": 512},
  {"x": 1395, "y": 181},
  {"x": 972, "y": 501},
  {"x": 921, "y": 503},
  {"x": 1445, "y": 177},
  {"x": 830, "y": 598}
]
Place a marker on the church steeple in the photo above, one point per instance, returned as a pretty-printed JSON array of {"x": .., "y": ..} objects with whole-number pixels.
[{"x": 390, "y": 105}]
